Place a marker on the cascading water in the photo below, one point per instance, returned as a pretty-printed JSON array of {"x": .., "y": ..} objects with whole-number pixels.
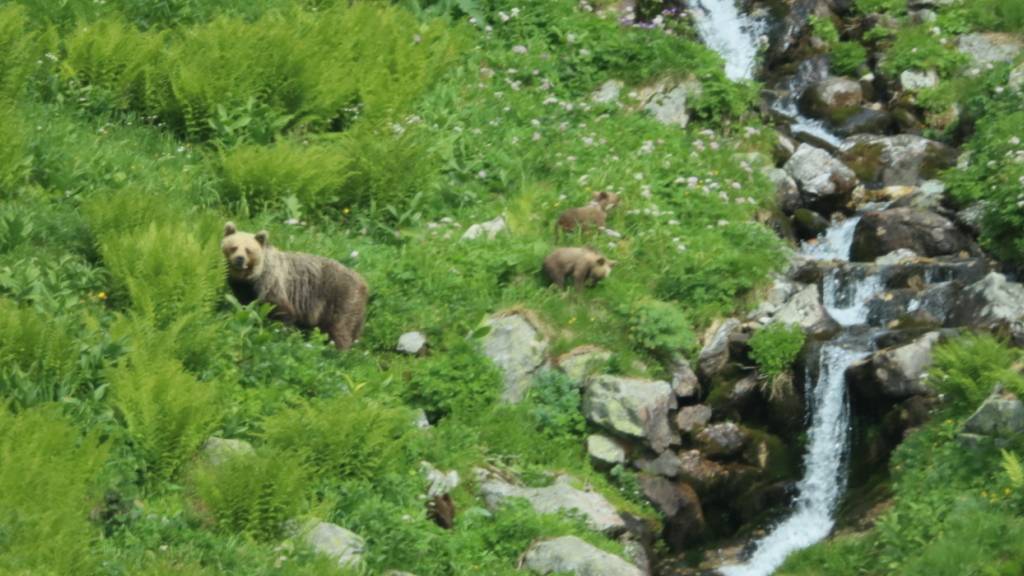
[{"x": 735, "y": 36}]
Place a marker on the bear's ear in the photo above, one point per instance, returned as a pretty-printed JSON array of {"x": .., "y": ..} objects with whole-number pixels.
[
  {"x": 601, "y": 261},
  {"x": 262, "y": 237},
  {"x": 602, "y": 195},
  {"x": 229, "y": 229}
]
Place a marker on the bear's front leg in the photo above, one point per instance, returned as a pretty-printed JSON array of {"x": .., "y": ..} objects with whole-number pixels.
[{"x": 283, "y": 312}]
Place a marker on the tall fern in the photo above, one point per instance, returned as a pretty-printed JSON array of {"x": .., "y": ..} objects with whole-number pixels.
[
  {"x": 47, "y": 483},
  {"x": 253, "y": 493},
  {"x": 20, "y": 49},
  {"x": 341, "y": 438},
  {"x": 38, "y": 357},
  {"x": 168, "y": 413}
]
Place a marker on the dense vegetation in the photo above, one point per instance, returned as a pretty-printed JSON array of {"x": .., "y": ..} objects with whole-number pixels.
[{"x": 375, "y": 134}]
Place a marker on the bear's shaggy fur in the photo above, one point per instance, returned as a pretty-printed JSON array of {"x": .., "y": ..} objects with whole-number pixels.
[
  {"x": 307, "y": 291},
  {"x": 584, "y": 265},
  {"x": 591, "y": 216}
]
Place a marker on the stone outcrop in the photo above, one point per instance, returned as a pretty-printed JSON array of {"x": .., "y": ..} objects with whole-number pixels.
[
  {"x": 517, "y": 345},
  {"x": 825, "y": 183},
  {"x": 901, "y": 160},
  {"x": 632, "y": 407},
  {"x": 560, "y": 496},
  {"x": 924, "y": 233},
  {"x": 571, "y": 555}
]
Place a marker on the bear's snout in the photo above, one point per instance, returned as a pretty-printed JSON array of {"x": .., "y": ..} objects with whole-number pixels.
[{"x": 238, "y": 262}]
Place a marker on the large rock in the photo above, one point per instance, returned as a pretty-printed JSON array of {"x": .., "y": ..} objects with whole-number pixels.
[
  {"x": 915, "y": 80},
  {"x": 605, "y": 451},
  {"x": 1000, "y": 415},
  {"x": 571, "y": 555},
  {"x": 787, "y": 193},
  {"x": 684, "y": 381},
  {"x": 609, "y": 92},
  {"x": 412, "y": 343},
  {"x": 895, "y": 373},
  {"x": 335, "y": 542},
  {"x": 990, "y": 47},
  {"x": 561, "y": 496},
  {"x": 632, "y": 407},
  {"x": 666, "y": 465},
  {"x": 703, "y": 474},
  {"x": 723, "y": 440},
  {"x": 866, "y": 121},
  {"x": 806, "y": 310},
  {"x": 925, "y": 233},
  {"x": 993, "y": 303},
  {"x": 489, "y": 229},
  {"x": 825, "y": 182},
  {"x": 581, "y": 362},
  {"x": 217, "y": 450},
  {"x": 715, "y": 355},
  {"x": 679, "y": 504},
  {"x": 901, "y": 160},
  {"x": 693, "y": 419},
  {"x": 666, "y": 101},
  {"x": 833, "y": 99},
  {"x": 516, "y": 344},
  {"x": 809, "y": 224}
]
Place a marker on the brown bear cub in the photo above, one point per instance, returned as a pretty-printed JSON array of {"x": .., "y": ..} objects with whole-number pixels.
[
  {"x": 306, "y": 290},
  {"x": 591, "y": 216},
  {"x": 584, "y": 265}
]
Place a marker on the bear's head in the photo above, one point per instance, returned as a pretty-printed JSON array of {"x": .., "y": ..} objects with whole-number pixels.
[
  {"x": 244, "y": 252},
  {"x": 600, "y": 267},
  {"x": 606, "y": 200}
]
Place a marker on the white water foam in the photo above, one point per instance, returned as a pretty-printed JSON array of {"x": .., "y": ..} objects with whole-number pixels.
[
  {"x": 835, "y": 243},
  {"x": 825, "y": 479},
  {"x": 846, "y": 299},
  {"x": 734, "y": 35}
]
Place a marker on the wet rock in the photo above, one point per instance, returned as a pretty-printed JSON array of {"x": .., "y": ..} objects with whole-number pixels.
[
  {"x": 809, "y": 224},
  {"x": 925, "y": 233},
  {"x": 703, "y": 474},
  {"x": 866, "y": 121},
  {"x": 806, "y": 310},
  {"x": 895, "y": 373},
  {"x": 787, "y": 194},
  {"x": 684, "y": 382},
  {"x": 900, "y": 256},
  {"x": 679, "y": 504},
  {"x": 489, "y": 229},
  {"x": 412, "y": 343},
  {"x": 608, "y": 92},
  {"x": 833, "y": 99},
  {"x": 693, "y": 419},
  {"x": 904, "y": 271},
  {"x": 516, "y": 345},
  {"x": 632, "y": 407},
  {"x": 723, "y": 440},
  {"x": 558, "y": 497},
  {"x": 783, "y": 149},
  {"x": 217, "y": 451},
  {"x": 993, "y": 303},
  {"x": 1000, "y": 415},
  {"x": 990, "y": 47},
  {"x": 928, "y": 196},
  {"x": 605, "y": 451},
  {"x": 916, "y": 80},
  {"x": 666, "y": 465},
  {"x": 420, "y": 419},
  {"x": 780, "y": 292},
  {"x": 580, "y": 362},
  {"x": 571, "y": 555},
  {"x": 636, "y": 553},
  {"x": 715, "y": 355},
  {"x": 825, "y": 183},
  {"x": 331, "y": 540},
  {"x": 901, "y": 160}
]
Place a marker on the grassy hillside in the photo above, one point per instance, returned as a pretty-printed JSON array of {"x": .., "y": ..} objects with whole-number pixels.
[{"x": 373, "y": 134}]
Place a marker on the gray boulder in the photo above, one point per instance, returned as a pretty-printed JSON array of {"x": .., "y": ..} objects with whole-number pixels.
[
  {"x": 993, "y": 303},
  {"x": 866, "y": 121},
  {"x": 684, "y": 382},
  {"x": 925, "y": 233},
  {"x": 569, "y": 554},
  {"x": 825, "y": 182},
  {"x": 489, "y": 229},
  {"x": 580, "y": 362},
  {"x": 895, "y": 373},
  {"x": 694, "y": 418},
  {"x": 805, "y": 309},
  {"x": 990, "y": 47},
  {"x": 515, "y": 344},
  {"x": 809, "y": 224},
  {"x": 1001, "y": 415},
  {"x": 667, "y": 101},
  {"x": 915, "y": 80},
  {"x": 335, "y": 542},
  {"x": 679, "y": 504},
  {"x": 833, "y": 99},
  {"x": 411, "y": 343},
  {"x": 604, "y": 450},
  {"x": 632, "y": 407},
  {"x": 216, "y": 450},
  {"x": 715, "y": 355},
  {"x": 666, "y": 465},
  {"x": 561, "y": 496},
  {"x": 722, "y": 440},
  {"x": 901, "y": 160},
  {"x": 787, "y": 193},
  {"x": 703, "y": 474},
  {"x": 608, "y": 92}
]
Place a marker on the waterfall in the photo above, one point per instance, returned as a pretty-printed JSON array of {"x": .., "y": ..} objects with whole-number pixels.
[
  {"x": 730, "y": 33},
  {"x": 824, "y": 481},
  {"x": 835, "y": 243}
]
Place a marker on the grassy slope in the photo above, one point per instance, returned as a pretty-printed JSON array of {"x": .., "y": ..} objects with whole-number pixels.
[{"x": 136, "y": 132}]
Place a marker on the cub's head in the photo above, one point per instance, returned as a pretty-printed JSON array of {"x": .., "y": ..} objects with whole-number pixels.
[
  {"x": 606, "y": 200},
  {"x": 243, "y": 251},
  {"x": 601, "y": 267}
]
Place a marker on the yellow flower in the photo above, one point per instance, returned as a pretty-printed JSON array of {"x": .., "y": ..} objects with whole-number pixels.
[
  {"x": 345, "y": 211},
  {"x": 102, "y": 295},
  {"x": 572, "y": 320}
]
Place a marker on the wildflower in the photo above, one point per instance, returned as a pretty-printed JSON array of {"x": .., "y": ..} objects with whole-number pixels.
[
  {"x": 416, "y": 38},
  {"x": 345, "y": 210},
  {"x": 638, "y": 176},
  {"x": 481, "y": 174},
  {"x": 570, "y": 38},
  {"x": 519, "y": 49},
  {"x": 101, "y": 295},
  {"x": 535, "y": 137},
  {"x": 292, "y": 222},
  {"x": 354, "y": 254}
]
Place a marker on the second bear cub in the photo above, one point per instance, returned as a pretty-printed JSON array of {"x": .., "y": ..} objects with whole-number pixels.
[
  {"x": 591, "y": 216},
  {"x": 584, "y": 265}
]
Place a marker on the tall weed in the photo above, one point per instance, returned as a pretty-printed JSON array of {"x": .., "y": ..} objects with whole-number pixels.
[{"x": 38, "y": 357}]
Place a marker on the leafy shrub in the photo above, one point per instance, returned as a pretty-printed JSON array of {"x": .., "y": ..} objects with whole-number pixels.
[
  {"x": 916, "y": 48},
  {"x": 966, "y": 369},
  {"x": 47, "y": 482},
  {"x": 37, "y": 356},
  {"x": 21, "y": 51},
  {"x": 458, "y": 381},
  {"x": 775, "y": 347},
  {"x": 167, "y": 412},
  {"x": 661, "y": 327},
  {"x": 848, "y": 57},
  {"x": 554, "y": 402},
  {"x": 1002, "y": 15},
  {"x": 255, "y": 493},
  {"x": 348, "y": 437},
  {"x": 15, "y": 161}
]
